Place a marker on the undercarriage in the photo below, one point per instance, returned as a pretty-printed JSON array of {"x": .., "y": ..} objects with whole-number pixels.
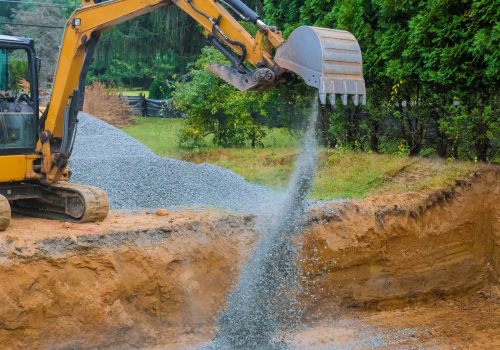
[{"x": 67, "y": 202}]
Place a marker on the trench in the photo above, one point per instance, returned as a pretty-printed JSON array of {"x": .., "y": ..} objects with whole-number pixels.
[{"x": 379, "y": 272}]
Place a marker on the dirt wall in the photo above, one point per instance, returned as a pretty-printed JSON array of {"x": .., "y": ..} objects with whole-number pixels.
[
  {"x": 131, "y": 287},
  {"x": 139, "y": 279},
  {"x": 399, "y": 248}
]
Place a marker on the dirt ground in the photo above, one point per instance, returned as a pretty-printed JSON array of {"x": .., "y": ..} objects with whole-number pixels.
[
  {"x": 417, "y": 270},
  {"x": 465, "y": 322},
  {"x": 460, "y": 322}
]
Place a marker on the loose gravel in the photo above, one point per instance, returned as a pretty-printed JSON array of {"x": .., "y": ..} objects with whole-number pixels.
[
  {"x": 265, "y": 304},
  {"x": 135, "y": 178}
]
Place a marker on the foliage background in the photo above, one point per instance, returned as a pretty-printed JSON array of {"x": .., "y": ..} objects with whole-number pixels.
[{"x": 431, "y": 68}]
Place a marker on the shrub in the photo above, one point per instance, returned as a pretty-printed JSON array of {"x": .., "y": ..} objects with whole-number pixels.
[{"x": 107, "y": 106}]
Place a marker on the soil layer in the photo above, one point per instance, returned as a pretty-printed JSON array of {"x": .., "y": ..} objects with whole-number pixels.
[{"x": 389, "y": 271}]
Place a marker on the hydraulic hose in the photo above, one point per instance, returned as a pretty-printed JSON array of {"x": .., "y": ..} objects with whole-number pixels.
[
  {"x": 217, "y": 43},
  {"x": 243, "y": 9}
]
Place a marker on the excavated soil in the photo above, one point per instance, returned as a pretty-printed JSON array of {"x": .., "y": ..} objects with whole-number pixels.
[{"x": 418, "y": 270}]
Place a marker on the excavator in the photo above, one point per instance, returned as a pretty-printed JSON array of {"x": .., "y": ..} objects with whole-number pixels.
[{"x": 36, "y": 145}]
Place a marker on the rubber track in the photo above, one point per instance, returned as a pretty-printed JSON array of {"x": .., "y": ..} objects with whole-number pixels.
[{"x": 95, "y": 199}]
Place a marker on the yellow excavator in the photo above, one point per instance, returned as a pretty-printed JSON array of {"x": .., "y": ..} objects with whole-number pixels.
[{"x": 35, "y": 146}]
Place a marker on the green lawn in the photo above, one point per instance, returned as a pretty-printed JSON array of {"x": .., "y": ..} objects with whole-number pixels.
[
  {"x": 341, "y": 173},
  {"x": 160, "y": 135},
  {"x": 131, "y": 92}
]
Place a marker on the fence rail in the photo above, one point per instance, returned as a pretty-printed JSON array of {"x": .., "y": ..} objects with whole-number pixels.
[{"x": 147, "y": 107}]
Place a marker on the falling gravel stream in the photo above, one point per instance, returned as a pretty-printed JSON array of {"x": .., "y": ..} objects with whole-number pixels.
[{"x": 263, "y": 306}]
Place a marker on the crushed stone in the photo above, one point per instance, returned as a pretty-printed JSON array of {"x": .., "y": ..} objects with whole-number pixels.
[{"x": 135, "y": 178}]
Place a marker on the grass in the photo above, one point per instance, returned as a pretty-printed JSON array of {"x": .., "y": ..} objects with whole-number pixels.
[
  {"x": 341, "y": 173},
  {"x": 266, "y": 166},
  {"x": 160, "y": 135},
  {"x": 131, "y": 92},
  {"x": 349, "y": 174}
]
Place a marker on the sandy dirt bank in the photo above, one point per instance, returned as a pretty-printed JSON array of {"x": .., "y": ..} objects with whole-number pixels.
[{"x": 392, "y": 271}]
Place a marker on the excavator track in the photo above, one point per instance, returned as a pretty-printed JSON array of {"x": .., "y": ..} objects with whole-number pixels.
[
  {"x": 65, "y": 202},
  {"x": 95, "y": 200},
  {"x": 5, "y": 213}
]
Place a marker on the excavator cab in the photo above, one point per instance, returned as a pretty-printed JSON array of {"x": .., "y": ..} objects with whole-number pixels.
[
  {"x": 18, "y": 96},
  {"x": 20, "y": 188}
]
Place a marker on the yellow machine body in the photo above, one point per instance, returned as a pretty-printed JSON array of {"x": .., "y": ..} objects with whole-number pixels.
[{"x": 15, "y": 168}]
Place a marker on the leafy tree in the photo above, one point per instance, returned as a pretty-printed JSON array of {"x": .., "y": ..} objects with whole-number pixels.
[
  {"x": 137, "y": 52},
  {"x": 283, "y": 14},
  {"x": 216, "y": 108},
  {"x": 453, "y": 47},
  {"x": 232, "y": 117},
  {"x": 47, "y": 40},
  {"x": 472, "y": 133}
]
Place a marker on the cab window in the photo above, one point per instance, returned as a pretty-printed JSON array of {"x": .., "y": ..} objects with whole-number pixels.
[{"x": 17, "y": 120}]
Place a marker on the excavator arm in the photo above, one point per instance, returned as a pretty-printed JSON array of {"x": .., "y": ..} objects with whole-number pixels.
[
  {"x": 329, "y": 60},
  {"x": 87, "y": 23}
]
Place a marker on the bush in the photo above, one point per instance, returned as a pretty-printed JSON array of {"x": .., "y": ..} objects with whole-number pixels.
[
  {"x": 190, "y": 138},
  {"x": 107, "y": 106},
  {"x": 232, "y": 117},
  {"x": 472, "y": 132},
  {"x": 216, "y": 108},
  {"x": 157, "y": 90}
]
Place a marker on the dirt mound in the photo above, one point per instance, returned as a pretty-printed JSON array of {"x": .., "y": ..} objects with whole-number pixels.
[{"x": 398, "y": 263}]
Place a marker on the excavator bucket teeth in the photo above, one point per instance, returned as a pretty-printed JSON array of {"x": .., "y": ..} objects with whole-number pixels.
[{"x": 327, "y": 59}]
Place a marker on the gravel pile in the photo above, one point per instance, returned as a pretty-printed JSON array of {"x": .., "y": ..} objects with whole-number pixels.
[{"x": 135, "y": 178}]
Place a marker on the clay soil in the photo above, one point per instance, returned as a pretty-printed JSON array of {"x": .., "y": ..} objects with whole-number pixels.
[{"x": 417, "y": 270}]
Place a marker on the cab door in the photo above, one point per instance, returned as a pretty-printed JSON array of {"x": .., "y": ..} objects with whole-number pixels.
[{"x": 18, "y": 109}]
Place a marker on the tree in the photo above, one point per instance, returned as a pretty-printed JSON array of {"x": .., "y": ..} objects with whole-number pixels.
[
  {"x": 137, "y": 52},
  {"x": 232, "y": 117},
  {"x": 453, "y": 46},
  {"x": 216, "y": 108},
  {"x": 47, "y": 40}
]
